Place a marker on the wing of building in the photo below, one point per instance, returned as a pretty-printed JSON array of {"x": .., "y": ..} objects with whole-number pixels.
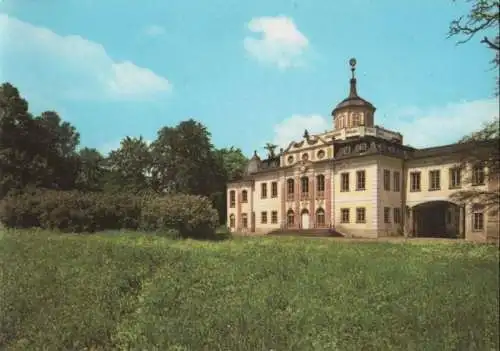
[{"x": 362, "y": 181}]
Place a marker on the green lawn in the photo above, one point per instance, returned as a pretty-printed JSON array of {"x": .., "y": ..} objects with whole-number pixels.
[{"x": 135, "y": 292}]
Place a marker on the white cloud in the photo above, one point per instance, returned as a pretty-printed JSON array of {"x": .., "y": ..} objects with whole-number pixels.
[
  {"x": 292, "y": 128},
  {"x": 436, "y": 126},
  {"x": 442, "y": 125},
  {"x": 154, "y": 30},
  {"x": 70, "y": 66},
  {"x": 281, "y": 42}
]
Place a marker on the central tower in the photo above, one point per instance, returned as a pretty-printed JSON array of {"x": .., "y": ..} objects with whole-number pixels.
[{"x": 353, "y": 111}]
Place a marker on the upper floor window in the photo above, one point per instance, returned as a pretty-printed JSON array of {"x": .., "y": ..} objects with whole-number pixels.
[
  {"x": 396, "y": 181},
  {"x": 290, "y": 188},
  {"x": 455, "y": 177},
  {"x": 478, "y": 175},
  {"x": 360, "y": 180},
  {"x": 274, "y": 189},
  {"x": 387, "y": 179},
  {"x": 232, "y": 198},
  {"x": 434, "y": 180},
  {"x": 244, "y": 196},
  {"x": 304, "y": 187},
  {"x": 415, "y": 181},
  {"x": 344, "y": 182},
  {"x": 320, "y": 185},
  {"x": 263, "y": 190}
]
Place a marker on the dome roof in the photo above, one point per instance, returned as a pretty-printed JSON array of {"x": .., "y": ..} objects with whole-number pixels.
[{"x": 353, "y": 100}]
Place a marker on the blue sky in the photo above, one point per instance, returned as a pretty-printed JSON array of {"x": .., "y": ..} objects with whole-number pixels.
[{"x": 251, "y": 71}]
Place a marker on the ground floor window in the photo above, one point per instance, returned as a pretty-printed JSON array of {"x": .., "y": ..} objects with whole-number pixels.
[
  {"x": 290, "y": 218},
  {"x": 274, "y": 217},
  {"x": 320, "y": 217},
  {"x": 232, "y": 221},
  {"x": 478, "y": 221},
  {"x": 344, "y": 215},
  {"x": 387, "y": 215},
  {"x": 263, "y": 217},
  {"x": 397, "y": 215},
  {"x": 244, "y": 220},
  {"x": 360, "y": 215}
]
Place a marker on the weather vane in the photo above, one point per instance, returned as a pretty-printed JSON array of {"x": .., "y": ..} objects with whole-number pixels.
[{"x": 352, "y": 62}]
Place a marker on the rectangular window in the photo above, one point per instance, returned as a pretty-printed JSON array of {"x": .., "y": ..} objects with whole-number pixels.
[
  {"x": 290, "y": 189},
  {"x": 263, "y": 217},
  {"x": 360, "y": 180},
  {"x": 415, "y": 181},
  {"x": 477, "y": 221},
  {"x": 387, "y": 179},
  {"x": 344, "y": 215},
  {"x": 387, "y": 215},
  {"x": 274, "y": 217},
  {"x": 478, "y": 175},
  {"x": 304, "y": 186},
  {"x": 263, "y": 190},
  {"x": 274, "y": 189},
  {"x": 232, "y": 221},
  {"x": 232, "y": 199},
  {"x": 360, "y": 215},
  {"x": 344, "y": 182},
  {"x": 244, "y": 220},
  {"x": 397, "y": 215},
  {"x": 320, "y": 186},
  {"x": 244, "y": 196},
  {"x": 397, "y": 181},
  {"x": 434, "y": 180},
  {"x": 455, "y": 177}
]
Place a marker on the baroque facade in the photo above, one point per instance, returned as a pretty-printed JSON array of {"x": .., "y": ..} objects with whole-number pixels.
[{"x": 361, "y": 180}]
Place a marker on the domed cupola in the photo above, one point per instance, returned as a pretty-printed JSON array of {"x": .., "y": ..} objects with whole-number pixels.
[
  {"x": 353, "y": 111},
  {"x": 254, "y": 164}
]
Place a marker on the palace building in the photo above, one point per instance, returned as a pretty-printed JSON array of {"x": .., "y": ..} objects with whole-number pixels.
[{"x": 360, "y": 180}]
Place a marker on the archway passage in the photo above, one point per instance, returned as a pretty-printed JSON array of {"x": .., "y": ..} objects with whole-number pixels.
[
  {"x": 305, "y": 219},
  {"x": 437, "y": 219}
]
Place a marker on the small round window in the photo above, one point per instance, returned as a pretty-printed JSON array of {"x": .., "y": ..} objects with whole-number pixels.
[
  {"x": 321, "y": 154},
  {"x": 290, "y": 159}
]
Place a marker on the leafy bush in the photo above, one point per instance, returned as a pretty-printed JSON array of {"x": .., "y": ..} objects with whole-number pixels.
[
  {"x": 192, "y": 216},
  {"x": 73, "y": 211}
]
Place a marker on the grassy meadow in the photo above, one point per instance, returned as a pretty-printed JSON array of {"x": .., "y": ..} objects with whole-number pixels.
[{"x": 138, "y": 292}]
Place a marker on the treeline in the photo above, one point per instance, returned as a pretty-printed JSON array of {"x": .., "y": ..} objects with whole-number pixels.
[{"x": 41, "y": 157}]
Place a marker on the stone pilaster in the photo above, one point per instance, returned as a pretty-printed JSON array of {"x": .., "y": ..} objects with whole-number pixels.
[
  {"x": 297, "y": 202},
  {"x": 328, "y": 201},
  {"x": 312, "y": 190}
]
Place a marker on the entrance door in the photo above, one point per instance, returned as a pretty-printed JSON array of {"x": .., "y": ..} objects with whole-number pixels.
[{"x": 305, "y": 220}]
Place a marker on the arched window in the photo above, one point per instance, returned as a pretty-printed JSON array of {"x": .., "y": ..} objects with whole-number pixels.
[
  {"x": 320, "y": 185},
  {"x": 320, "y": 217},
  {"x": 290, "y": 184},
  {"x": 232, "y": 221},
  {"x": 232, "y": 198},
  {"x": 290, "y": 217},
  {"x": 244, "y": 196},
  {"x": 304, "y": 187}
]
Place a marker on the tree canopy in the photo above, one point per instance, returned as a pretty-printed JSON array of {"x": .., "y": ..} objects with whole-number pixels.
[
  {"x": 482, "y": 19},
  {"x": 43, "y": 152}
]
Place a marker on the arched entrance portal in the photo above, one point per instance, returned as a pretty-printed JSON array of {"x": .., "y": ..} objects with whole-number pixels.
[
  {"x": 304, "y": 216},
  {"x": 437, "y": 219}
]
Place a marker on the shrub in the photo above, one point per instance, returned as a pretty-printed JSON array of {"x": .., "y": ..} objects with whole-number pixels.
[
  {"x": 77, "y": 212},
  {"x": 192, "y": 216}
]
